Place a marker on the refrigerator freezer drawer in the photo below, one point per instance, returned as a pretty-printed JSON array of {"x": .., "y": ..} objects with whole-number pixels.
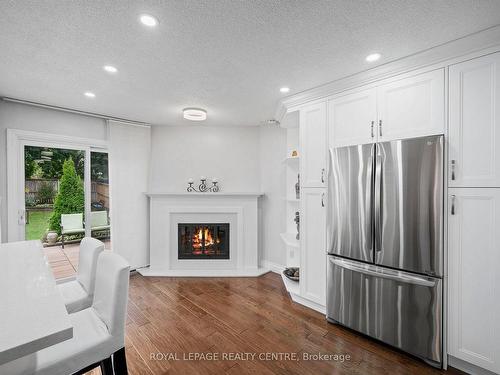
[{"x": 399, "y": 308}]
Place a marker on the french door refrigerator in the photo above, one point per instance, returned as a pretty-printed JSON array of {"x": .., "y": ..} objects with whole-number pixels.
[{"x": 385, "y": 242}]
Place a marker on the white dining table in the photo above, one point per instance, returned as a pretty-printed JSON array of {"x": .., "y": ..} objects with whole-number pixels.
[{"x": 32, "y": 312}]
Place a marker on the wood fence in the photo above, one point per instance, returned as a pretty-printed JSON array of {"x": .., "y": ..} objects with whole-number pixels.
[{"x": 32, "y": 188}]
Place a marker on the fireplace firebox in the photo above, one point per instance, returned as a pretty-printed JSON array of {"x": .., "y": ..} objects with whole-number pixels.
[{"x": 203, "y": 241}]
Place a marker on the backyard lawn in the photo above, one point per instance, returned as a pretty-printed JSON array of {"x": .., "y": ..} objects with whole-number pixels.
[{"x": 38, "y": 224}]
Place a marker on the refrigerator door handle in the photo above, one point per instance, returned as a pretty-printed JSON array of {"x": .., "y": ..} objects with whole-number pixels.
[
  {"x": 378, "y": 198},
  {"x": 329, "y": 226},
  {"x": 385, "y": 274}
]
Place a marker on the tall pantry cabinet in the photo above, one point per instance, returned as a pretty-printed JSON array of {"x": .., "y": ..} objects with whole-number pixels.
[{"x": 474, "y": 212}]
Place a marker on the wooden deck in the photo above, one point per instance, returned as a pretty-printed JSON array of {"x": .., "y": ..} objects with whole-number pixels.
[{"x": 64, "y": 262}]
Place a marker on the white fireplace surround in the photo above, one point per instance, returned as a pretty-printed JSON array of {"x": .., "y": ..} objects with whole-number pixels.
[{"x": 167, "y": 210}]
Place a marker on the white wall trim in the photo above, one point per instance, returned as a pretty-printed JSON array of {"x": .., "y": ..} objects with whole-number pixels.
[
  {"x": 467, "y": 367},
  {"x": 16, "y": 139},
  {"x": 474, "y": 45},
  {"x": 273, "y": 267}
]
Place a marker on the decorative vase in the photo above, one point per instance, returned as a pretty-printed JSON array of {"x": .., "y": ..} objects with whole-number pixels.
[{"x": 52, "y": 237}]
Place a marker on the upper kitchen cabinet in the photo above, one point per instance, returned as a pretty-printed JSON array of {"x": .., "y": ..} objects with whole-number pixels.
[
  {"x": 312, "y": 143},
  {"x": 411, "y": 107},
  {"x": 474, "y": 123},
  {"x": 352, "y": 118}
]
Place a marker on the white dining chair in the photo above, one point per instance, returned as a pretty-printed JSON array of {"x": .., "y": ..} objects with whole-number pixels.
[
  {"x": 98, "y": 332},
  {"x": 78, "y": 293}
]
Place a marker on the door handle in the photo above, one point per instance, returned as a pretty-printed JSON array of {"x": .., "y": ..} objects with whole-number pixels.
[
  {"x": 322, "y": 199},
  {"x": 380, "y": 128},
  {"x": 453, "y": 164},
  {"x": 453, "y": 199},
  {"x": 373, "y": 123},
  {"x": 21, "y": 217},
  {"x": 378, "y": 272},
  {"x": 322, "y": 175}
]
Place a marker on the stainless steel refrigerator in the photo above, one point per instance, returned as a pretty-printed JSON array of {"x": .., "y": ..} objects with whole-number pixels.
[{"x": 385, "y": 242}]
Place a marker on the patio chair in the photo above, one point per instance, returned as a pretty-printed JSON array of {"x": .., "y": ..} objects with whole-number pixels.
[
  {"x": 99, "y": 221},
  {"x": 71, "y": 224}
]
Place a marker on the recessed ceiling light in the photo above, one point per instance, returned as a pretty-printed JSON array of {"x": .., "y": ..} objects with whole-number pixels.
[
  {"x": 89, "y": 94},
  {"x": 110, "y": 68},
  {"x": 285, "y": 90},
  {"x": 148, "y": 20},
  {"x": 194, "y": 114},
  {"x": 373, "y": 57}
]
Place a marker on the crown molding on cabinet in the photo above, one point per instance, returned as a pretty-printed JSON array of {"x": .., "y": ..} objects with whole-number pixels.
[{"x": 465, "y": 48}]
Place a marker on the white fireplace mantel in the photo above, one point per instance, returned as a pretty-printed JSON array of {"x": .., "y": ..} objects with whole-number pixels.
[
  {"x": 204, "y": 195},
  {"x": 239, "y": 209}
]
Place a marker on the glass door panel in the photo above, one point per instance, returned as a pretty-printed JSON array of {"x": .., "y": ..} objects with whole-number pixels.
[{"x": 100, "y": 224}]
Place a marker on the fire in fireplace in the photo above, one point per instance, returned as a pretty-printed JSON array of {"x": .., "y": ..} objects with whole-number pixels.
[{"x": 203, "y": 241}]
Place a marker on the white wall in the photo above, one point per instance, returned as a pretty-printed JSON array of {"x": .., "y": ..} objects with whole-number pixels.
[
  {"x": 181, "y": 152},
  {"x": 25, "y": 117},
  {"x": 273, "y": 206}
]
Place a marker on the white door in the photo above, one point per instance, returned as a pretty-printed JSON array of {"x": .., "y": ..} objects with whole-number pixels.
[
  {"x": 352, "y": 118},
  {"x": 313, "y": 141},
  {"x": 412, "y": 107},
  {"x": 474, "y": 134},
  {"x": 474, "y": 277},
  {"x": 313, "y": 245}
]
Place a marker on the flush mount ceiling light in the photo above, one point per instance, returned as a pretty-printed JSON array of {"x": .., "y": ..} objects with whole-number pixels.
[
  {"x": 89, "y": 94},
  {"x": 285, "y": 90},
  {"x": 373, "y": 57},
  {"x": 110, "y": 68},
  {"x": 148, "y": 20},
  {"x": 194, "y": 114}
]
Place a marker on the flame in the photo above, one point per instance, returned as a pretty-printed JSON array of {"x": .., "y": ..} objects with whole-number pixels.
[{"x": 203, "y": 238}]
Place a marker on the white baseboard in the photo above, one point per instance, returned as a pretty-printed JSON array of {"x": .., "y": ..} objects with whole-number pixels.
[
  {"x": 467, "y": 367},
  {"x": 273, "y": 267}
]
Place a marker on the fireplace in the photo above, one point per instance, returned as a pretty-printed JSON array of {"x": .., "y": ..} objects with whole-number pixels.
[{"x": 203, "y": 241}]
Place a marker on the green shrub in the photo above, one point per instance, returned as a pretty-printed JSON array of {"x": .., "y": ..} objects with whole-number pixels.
[
  {"x": 70, "y": 198},
  {"x": 46, "y": 192}
]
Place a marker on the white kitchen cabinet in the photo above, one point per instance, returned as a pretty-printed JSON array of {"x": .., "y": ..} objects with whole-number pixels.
[
  {"x": 396, "y": 109},
  {"x": 312, "y": 144},
  {"x": 411, "y": 107},
  {"x": 474, "y": 277},
  {"x": 313, "y": 245},
  {"x": 352, "y": 118},
  {"x": 474, "y": 123}
]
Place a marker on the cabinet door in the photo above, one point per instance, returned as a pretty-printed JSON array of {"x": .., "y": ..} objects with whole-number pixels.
[
  {"x": 313, "y": 245},
  {"x": 412, "y": 107},
  {"x": 474, "y": 134},
  {"x": 474, "y": 277},
  {"x": 352, "y": 119},
  {"x": 312, "y": 139}
]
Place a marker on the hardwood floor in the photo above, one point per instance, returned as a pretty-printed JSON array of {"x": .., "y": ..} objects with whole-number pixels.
[{"x": 179, "y": 316}]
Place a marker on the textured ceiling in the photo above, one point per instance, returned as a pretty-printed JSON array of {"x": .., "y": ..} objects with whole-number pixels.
[{"x": 228, "y": 56}]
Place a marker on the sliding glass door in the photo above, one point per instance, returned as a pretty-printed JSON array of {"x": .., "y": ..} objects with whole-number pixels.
[{"x": 65, "y": 195}]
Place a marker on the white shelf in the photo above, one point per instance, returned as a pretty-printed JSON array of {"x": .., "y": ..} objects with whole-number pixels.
[
  {"x": 290, "y": 285},
  {"x": 291, "y": 159},
  {"x": 290, "y": 240}
]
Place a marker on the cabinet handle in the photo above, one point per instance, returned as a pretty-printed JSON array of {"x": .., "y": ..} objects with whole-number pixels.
[
  {"x": 380, "y": 128},
  {"x": 453, "y": 164},
  {"x": 322, "y": 175},
  {"x": 373, "y": 123},
  {"x": 322, "y": 199},
  {"x": 453, "y": 198}
]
